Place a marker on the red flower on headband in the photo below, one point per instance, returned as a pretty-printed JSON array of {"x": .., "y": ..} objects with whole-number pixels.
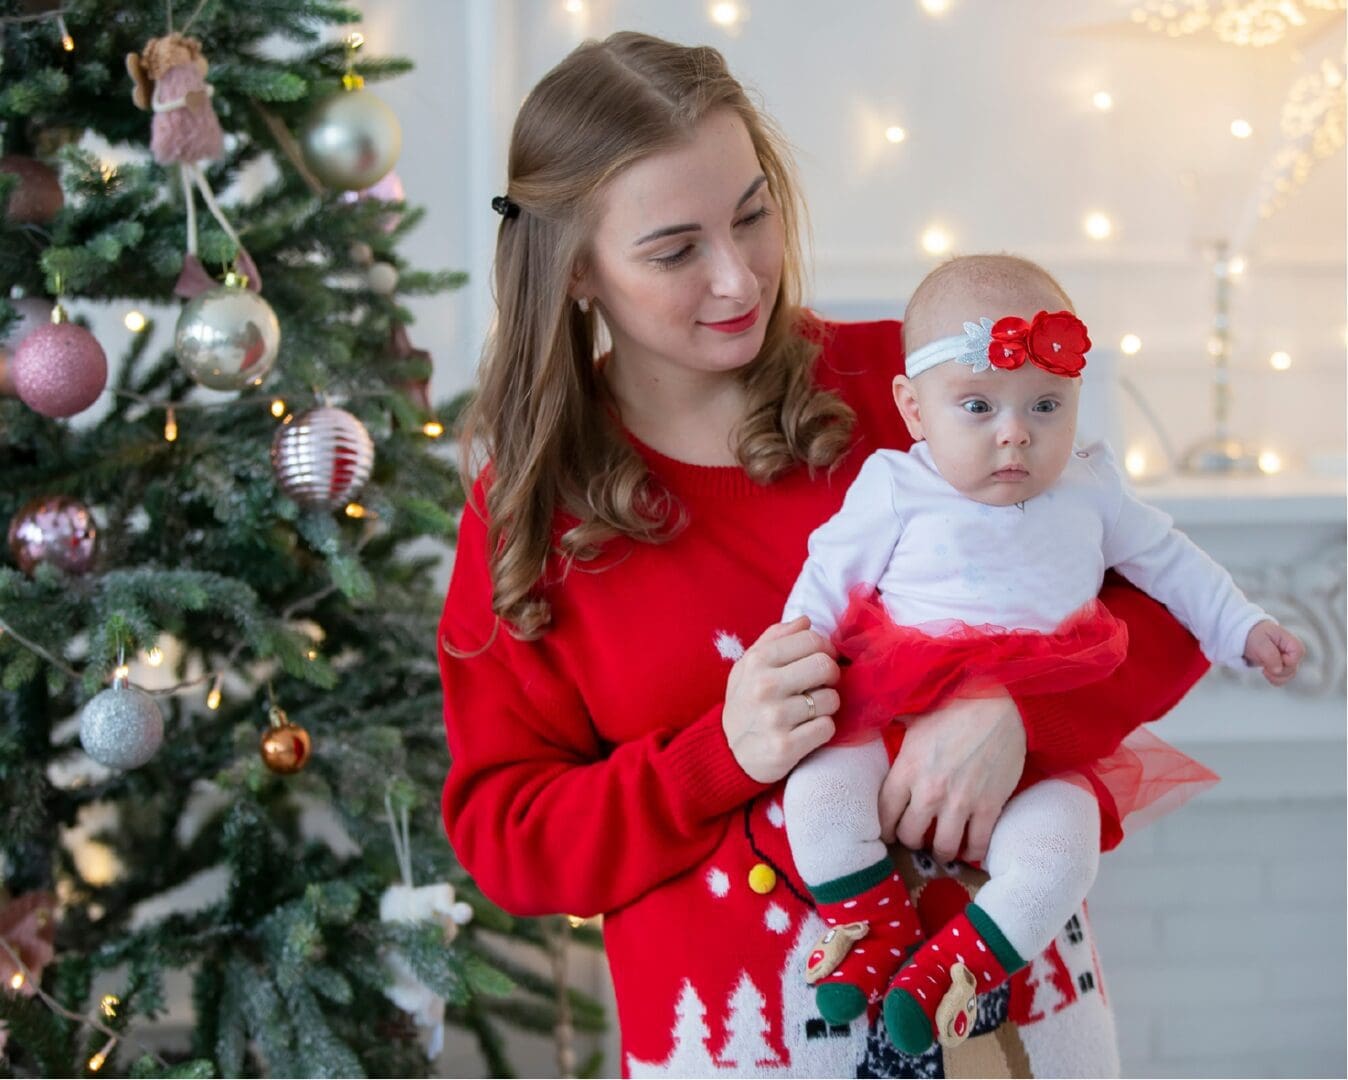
[{"x": 1055, "y": 341}]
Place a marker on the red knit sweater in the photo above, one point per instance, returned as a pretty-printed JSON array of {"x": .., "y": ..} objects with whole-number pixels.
[{"x": 590, "y": 773}]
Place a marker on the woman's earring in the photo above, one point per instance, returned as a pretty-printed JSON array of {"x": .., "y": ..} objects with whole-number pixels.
[{"x": 584, "y": 304}]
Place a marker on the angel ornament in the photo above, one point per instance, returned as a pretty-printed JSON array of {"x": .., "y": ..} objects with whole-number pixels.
[{"x": 170, "y": 78}]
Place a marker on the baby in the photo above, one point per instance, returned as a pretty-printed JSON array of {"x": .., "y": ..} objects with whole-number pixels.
[{"x": 970, "y": 565}]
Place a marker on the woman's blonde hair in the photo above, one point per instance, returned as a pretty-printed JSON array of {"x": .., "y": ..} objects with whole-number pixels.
[{"x": 541, "y": 414}]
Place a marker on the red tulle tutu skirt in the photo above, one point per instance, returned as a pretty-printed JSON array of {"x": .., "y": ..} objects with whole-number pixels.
[{"x": 891, "y": 672}]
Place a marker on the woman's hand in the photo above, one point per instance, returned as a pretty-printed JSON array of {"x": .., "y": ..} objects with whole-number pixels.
[
  {"x": 957, "y": 768},
  {"x": 767, "y": 719}
]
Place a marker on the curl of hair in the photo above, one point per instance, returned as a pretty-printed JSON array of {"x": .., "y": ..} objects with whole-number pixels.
[{"x": 542, "y": 415}]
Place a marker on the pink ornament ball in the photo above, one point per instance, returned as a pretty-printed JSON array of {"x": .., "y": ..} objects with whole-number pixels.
[
  {"x": 59, "y": 369},
  {"x": 37, "y": 198},
  {"x": 389, "y": 188},
  {"x": 54, "y": 529}
]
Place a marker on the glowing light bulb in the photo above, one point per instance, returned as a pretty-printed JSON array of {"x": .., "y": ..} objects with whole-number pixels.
[
  {"x": 1241, "y": 129},
  {"x": 576, "y": 921},
  {"x": 935, "y": 7},
  {"x": 1270, "y": 462},
  {"x": 573, "y": 7},
  {"x": 96, "y": 1062},
  {"x": 1216, "y": 346},
  {"x": 134, "y": 321},
  {"x": 170, "y": 426},
  {"x": 1098, "y": 226},
  {"x": 154, "y": 656},
  {"x": 725, "y": 13},
  {"x": 1236, "y": 266},
  {"x": 278, "y": 408},
  {"x": 121, "y": 671},
  {"x": 312, "y": 654},
  {"x": 109, "y": 1005},
  {"x": 935, "y": 240},
  {"x": 432, "y": 429},
  {"x": 1130, "y": 344},
  {"x": 895, "y": 134},
  {"x": 16, "y": 981},
  {"x": 1135, "y": 461},
  {"x": 355, "y": 39},
  {"x": 1103, "y": 100},
  {"x": 355, "y": 510},
  {"x": 213, "y": 698},
  {"x": 67, "y": 42},
  {"x": 1280, "y": 361}
]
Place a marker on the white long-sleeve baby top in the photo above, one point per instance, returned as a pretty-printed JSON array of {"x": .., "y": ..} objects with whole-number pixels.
[{"x": 935, "y": 554}]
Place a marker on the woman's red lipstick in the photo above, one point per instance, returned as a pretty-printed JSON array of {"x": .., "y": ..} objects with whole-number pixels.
[{"x": 735, "y": 326}]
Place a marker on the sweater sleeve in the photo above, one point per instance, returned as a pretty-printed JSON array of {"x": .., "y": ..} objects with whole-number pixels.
[
  {"x": 539, "y": 811},
  {"x": 1068, "y": 730}
]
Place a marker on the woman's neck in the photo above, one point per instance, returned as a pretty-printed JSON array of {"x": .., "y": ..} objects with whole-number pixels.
[{"x": 691, "y": 417}]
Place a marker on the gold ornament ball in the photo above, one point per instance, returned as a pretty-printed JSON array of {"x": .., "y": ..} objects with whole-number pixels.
[
  {"x": 285, "y": 747},
  {"x": 351, "y": 140}
]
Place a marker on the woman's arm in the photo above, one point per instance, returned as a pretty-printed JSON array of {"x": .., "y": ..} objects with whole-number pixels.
[
  {"x": 543, "y": 815},
  {"x": 961, "y": 763}
]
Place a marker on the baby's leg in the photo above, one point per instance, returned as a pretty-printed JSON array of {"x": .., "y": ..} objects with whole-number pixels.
[
  {"x": 1042, "y": 858},
  {"x": 833, "y": 823}
]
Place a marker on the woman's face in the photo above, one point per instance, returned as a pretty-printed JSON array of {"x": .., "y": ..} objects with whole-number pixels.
[{"x": 687, "y": 255}]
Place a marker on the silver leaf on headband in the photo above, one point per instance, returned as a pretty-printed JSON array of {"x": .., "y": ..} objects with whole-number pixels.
[{"x": 977, "y": 341}]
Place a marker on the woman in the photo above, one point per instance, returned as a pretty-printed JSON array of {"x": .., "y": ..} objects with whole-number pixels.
[{"x": 615, "y": 747}]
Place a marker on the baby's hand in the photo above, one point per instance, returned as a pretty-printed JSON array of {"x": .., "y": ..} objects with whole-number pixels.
[{"x": 1276, "y": 650}]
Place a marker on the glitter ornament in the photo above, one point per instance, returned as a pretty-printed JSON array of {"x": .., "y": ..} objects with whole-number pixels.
[
  {"x": 121, "y": 727},
  {"x": 228, "y": 337},
  {"x": 284, "y": 746},
  {"x": 322, "y": 458},
  {"x": 53, "y": 529},
  {"x": 59, "y": 369},
  {"x": 351, "y": 140},
  {"x": 37, "y": 198}
]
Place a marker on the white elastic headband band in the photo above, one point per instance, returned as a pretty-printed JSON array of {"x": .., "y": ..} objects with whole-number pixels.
[{"x": 970, "y": 348}]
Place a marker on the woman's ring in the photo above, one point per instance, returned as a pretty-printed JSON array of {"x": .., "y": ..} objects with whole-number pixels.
[{"x": 810, "y": 702}]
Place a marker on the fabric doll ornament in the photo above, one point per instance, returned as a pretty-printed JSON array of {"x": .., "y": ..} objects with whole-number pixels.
[
  {"x": 170, "y": 78},
  {"x": 408, "y": 903}
]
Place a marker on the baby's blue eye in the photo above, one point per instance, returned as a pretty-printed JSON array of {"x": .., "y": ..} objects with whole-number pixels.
[
  {"x": 1048, "y": 405},
  {"x": 977, "y": 407}
]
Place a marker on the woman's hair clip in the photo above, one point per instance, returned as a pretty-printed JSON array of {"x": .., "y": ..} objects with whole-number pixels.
[{"x": 506, "y": 207}]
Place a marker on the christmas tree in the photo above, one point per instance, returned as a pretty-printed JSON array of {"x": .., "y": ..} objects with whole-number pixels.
[{"x": 220, "y": 737}]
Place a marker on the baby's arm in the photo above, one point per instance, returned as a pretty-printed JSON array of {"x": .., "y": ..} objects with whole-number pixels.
[
  {"x": 851, "y": 548},
  {"x": 1143, "y": 545}
]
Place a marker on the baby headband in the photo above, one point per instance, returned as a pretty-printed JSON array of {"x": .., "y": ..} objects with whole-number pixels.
[
  {"x": 505, "y": 206},
  {"x": 1056, "y": 342}
]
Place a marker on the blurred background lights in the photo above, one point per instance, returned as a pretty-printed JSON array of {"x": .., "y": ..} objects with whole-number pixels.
[
  {"x": 1241, "y": 129},
  {"x": 1236, "y": 266},
  {"x": 1270, "y": 462},
  {"x": 1280, "y": 361},
  {"x": 1098, "y": 226},
  {"x": 134, "y": 321},
  {"x": 935, "y": 240},
  {"x": 573, "y": 7},
  {"x": 1103, "y": 100},
  {"x": 935, "y": 7},
  {"x": 895, "y": 134},
  {"x": 1135, "y": 461},
  {"x": 1130, "y": 344},
  {"x": 726, "y": 13}
]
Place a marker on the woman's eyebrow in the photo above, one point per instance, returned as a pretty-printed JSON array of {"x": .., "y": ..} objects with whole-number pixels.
[{"x": 671, "y": 230}]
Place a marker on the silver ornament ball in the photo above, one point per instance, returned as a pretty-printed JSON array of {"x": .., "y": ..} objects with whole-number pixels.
[
  {"x": 121, "y": 727},
  {"x": 227, "y": 338},
  {"x": 322, "y": 458},
  {"x": 351, "y": 140},
  {"x": 383, "y": 278}
]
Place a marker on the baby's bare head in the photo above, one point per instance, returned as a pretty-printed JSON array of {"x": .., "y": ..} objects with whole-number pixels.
[{"x": 968, "y": 287}]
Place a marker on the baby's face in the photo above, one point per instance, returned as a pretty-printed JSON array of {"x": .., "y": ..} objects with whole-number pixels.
[{"x": 999, "y": 437}]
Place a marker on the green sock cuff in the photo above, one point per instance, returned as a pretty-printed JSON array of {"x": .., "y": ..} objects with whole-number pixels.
[
  {"x": 854, "y": 884},
  {"x": 1002, "y": 949}
]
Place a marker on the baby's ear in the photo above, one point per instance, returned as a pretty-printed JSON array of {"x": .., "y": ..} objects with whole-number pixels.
[{"x": 906, "y": 401}]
